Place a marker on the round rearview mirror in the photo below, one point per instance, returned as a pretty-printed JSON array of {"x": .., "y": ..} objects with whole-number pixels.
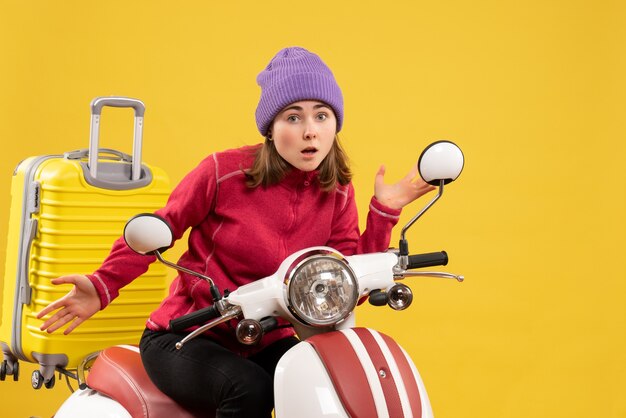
[
  {"x": 146, "y": 233},
  {"x": 441, "y": 160}
]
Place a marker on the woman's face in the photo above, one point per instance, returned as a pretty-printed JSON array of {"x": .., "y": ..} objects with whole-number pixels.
[{"x": 303, "y": 133}]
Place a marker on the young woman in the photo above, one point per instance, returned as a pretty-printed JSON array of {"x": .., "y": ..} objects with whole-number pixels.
[{"x": 248, "y": 209}]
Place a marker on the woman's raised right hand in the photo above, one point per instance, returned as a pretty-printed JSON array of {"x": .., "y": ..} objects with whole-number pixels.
[{"x": 78, "y": 305}]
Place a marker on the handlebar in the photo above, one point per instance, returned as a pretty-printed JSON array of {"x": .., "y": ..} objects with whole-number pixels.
[
  {"x": 209, "y": 313},
  {"x": 428, "y": 260},
  {"x": 195, "y": 318}
]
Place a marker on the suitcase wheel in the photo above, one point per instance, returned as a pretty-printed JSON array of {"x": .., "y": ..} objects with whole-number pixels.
[
  {"x": 50, "y": 383},
  {"x": 5, "y": 369},
  {"x": 37, "y": 380}
]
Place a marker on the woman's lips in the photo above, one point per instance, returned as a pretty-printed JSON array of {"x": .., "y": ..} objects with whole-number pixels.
[{"x": 309, "y": 152}]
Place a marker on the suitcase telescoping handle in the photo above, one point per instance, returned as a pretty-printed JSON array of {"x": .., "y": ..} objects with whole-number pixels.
[{"x": 96, "y": 109}]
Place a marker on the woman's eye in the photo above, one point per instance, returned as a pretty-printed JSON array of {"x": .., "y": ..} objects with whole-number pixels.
[
  {"x": 322, "y": 116},
  {"x": 292, "y": 118}
]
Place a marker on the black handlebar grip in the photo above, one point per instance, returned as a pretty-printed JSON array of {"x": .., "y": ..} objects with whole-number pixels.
[
  {"x": 428, "y": 260},
  {"x": 268, "y": 324},
  {"x": 195, "y": 318},
  {"x": 378, "y": 298}
]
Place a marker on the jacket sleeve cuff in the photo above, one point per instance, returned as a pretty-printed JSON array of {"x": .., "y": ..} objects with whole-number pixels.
[
  {"x": 101, "y": 289},
  {"x": 384, "y": 211}
]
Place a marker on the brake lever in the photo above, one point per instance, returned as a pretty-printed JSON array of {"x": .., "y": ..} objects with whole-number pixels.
[
  {"x": 232, "y": 313},
  {"x": 437, "y": 274}
]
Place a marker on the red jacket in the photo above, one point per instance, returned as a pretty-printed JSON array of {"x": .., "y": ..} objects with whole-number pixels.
[{"x": 241, "y": 234}]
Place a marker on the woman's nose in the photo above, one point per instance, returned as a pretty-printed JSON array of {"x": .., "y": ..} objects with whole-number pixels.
[{"x": 310, "y": 131}]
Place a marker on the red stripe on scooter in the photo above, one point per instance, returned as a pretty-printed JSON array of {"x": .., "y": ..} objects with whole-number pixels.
[
  {"x": 406, "y": 374},
  {"x": 388, "y": 383},
  {"x": 346, "y": 373}
]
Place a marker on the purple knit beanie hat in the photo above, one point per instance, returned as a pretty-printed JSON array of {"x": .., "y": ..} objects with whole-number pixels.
[{"x": 295, "y": 74}]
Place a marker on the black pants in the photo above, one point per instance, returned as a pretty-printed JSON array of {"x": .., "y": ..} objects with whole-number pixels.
[{"x": 204, "y": 375}]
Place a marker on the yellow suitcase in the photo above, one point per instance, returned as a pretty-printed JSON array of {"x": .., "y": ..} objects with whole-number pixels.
[{"x": 66, "y": 212}]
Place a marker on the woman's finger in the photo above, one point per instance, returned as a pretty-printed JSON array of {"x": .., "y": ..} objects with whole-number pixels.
[
  {"x": 76, "y": 322},
  {"x": 59, "y": 302},
  {"x": 53, "y": 306},
  {"x": 379, "y": 179},
  {"x": 412, "y": 173},
  {"x": 64, "y": 280},
  {"x": 53, "y": 319},
  {"x": 57, "y": 321}
]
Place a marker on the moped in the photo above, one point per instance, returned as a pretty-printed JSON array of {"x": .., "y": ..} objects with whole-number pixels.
[{"x": 337, "y": 370}]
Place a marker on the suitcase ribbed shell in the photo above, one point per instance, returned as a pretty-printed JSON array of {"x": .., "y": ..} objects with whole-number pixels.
[{"x": 74, "y": 226}]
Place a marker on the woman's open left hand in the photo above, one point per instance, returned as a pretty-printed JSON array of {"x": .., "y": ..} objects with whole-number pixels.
[
  {"x": 400, "y": 194},
  {"x": 74, "y": 308}
]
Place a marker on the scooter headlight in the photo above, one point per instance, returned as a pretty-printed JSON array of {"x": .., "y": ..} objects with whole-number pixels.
[{"x": 321, "y": 288}]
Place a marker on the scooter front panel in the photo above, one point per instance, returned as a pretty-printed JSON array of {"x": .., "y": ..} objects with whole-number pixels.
[
  {"x": 410, "y": 376},
  {"x": 89, "y": 403},
  {"x": 302, "y": 387},
  {"x": 362, "y": 362}
]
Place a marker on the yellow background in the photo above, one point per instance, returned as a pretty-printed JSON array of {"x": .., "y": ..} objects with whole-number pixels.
[{"x": 533, "y": 91}]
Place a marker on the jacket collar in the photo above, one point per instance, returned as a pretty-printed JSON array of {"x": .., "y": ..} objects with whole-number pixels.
[{"x": 297, "y": 177}]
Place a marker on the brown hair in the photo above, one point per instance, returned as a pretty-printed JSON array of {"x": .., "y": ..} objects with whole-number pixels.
[{"x": 270, "y": 168}]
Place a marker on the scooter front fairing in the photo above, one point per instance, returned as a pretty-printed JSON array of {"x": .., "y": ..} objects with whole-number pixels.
[{"x": 355, "y": 372}]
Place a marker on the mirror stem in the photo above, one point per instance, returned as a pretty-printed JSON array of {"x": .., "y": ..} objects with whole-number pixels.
[
  {"x": 404, "y": 245},
  {"x": 214, "y": 290}
]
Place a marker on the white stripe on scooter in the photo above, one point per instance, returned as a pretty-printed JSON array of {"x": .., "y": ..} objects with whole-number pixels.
[
  {"x": 393, "y": 368},
  {"x": 129, "y": 347},
  {"x": 426, "y": 407},
  {"x": 370, "y": 373}
]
